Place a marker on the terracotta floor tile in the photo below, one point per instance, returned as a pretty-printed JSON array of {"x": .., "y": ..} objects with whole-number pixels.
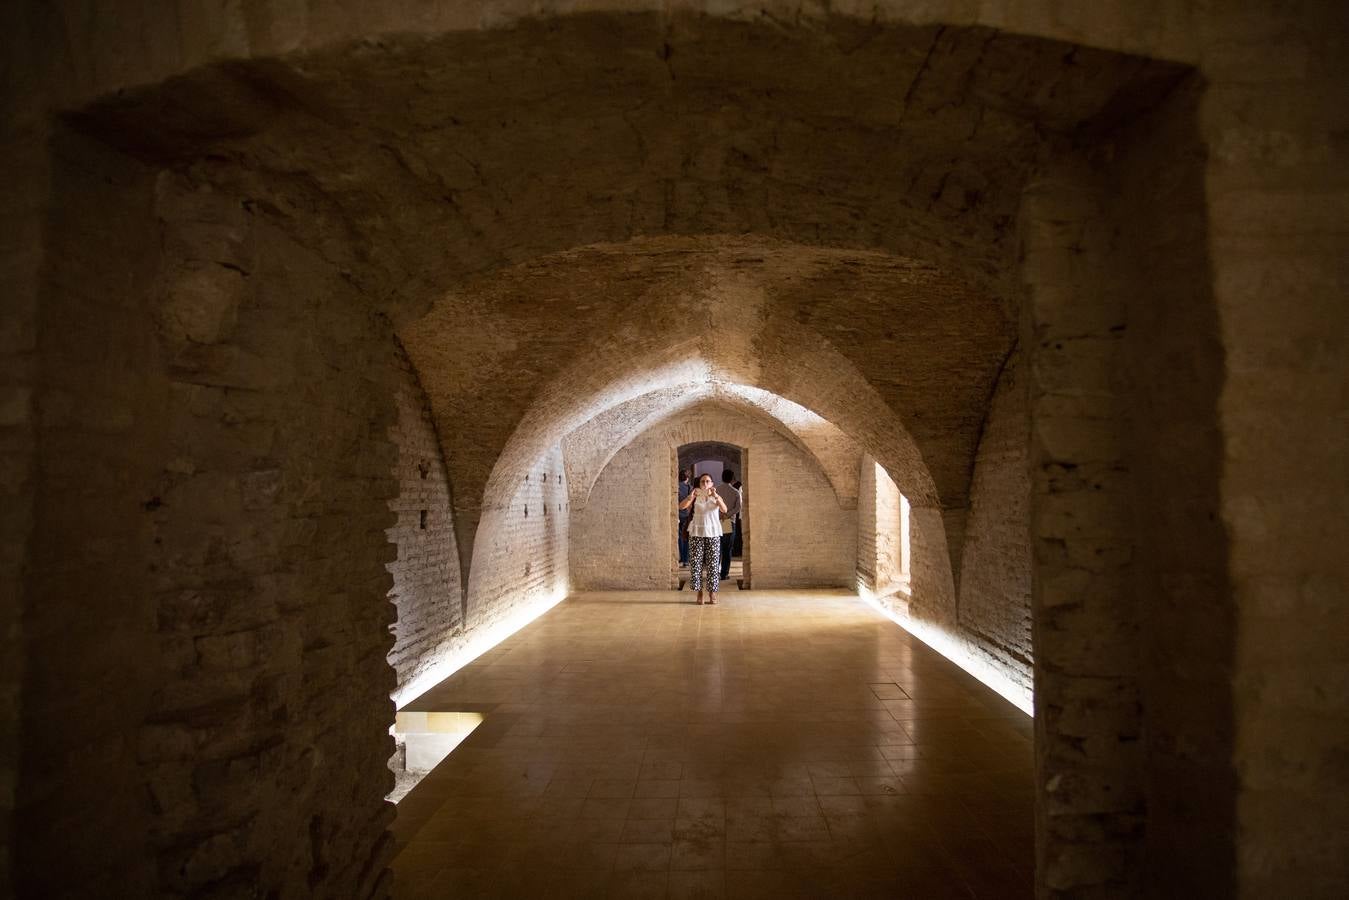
[
  {"x": 642, "y": 857},
  {"x": 754, "y": 855},
  {"x": 801, "y": 828},
  {"x": 696, "y": 885},
  {"x": 827, "y": 785},
  {"x": 698, "y": 854},
  {"x": 762, "y": 885},
  {"x": 796, "y": 806},
  {"x": 657, "y": 788},
  {"x": 568, "y": 787},
  {"x": 661, "y": 770},
  {"x": 700, "y": 828},
  {"x": 646, "y": 831},
  {"x": 688, "y": 788},
  {"x": 605, "y": 808},
  {"x": 653, "y": 808},
  {"x": 636, "y": 885},
  {"x": 605, "y": 829},
  {"x": 612, "y": 787},
  {"x": 743, "y": 827},
  {"x": 889, "y": 785}
]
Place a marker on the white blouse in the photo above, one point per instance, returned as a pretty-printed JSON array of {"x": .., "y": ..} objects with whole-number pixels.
[{"x": 706, "y": 518}]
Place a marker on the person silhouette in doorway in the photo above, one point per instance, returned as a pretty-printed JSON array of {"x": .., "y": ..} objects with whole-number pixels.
[{"x": 730, "y": 496}]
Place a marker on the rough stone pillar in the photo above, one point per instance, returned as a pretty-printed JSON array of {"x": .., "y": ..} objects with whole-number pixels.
[
  {"x": 1088, "y": 719},
  {"x": 1133, "y": 607},
  {"x": 1176, "y": 361}
]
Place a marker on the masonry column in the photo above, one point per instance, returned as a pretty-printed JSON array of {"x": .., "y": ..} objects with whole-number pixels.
[{"x": 1088, "y": 724}]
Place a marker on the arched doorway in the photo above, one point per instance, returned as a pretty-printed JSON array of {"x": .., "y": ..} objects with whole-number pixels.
[{"x": 231, "y": 379}]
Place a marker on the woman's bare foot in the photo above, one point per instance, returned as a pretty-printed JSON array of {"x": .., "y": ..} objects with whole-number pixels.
[
  {"x": 712, "y": 598},
  {"x": 700, "y": 598}
]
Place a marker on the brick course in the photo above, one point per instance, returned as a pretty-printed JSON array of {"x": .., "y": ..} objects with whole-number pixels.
[
  {"x": 426, "y": 589},
  {"x": 522, "y": 554},
  {"x": 994, "y": 601}
]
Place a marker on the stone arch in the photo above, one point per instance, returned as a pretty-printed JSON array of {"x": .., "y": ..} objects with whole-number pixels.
[
  {"x": 470, "y": 205},
  {"x": 272, "y": 28},
  {"x": 490, "y": 171},
  {"x": 589, "y": 448},
  {"x": 793, "y": 561},
  {"x": 813, "y": 376},
  {"x": 718, "y": 324},
  {"x": 251, "y": 30},
  {"x": 680, "y": 428}
]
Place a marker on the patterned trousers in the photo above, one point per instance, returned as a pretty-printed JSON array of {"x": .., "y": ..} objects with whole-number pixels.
[{"x": 705, "y": 551}]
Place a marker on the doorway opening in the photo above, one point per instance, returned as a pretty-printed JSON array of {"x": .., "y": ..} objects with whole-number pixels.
[
  {"x": 883, "y": 552},
  {"x": 728, "y": 465}
]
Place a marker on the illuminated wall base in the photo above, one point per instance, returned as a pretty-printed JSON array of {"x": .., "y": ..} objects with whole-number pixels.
[
  {"x": 478, "y": 643},
  {"x": 955, "y": 649}
]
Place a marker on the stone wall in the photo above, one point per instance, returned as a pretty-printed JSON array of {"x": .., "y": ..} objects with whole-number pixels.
[
  {"x": 275, "y": 677},
  {"x": 986, "y": 625},
  {"x": 624, "y": 536},
  {"x": 994, "y": 599},
  {"x": 932, "y": 599},
  {"x": 89, "y": 607},
  {"x": 1274, "y": 114},
  {"x": 1089, "y": 731},
  {"x": 208, "y": 618},
  {"x": 880, "y": 531},
  {"x": 798, "y": 535},
  {"x": 426, "y": 588},
  {"x": 1176, "y": 367},
  {"x": 869, "y": 530},
  {"x": 1134, "y": 621},
  {"x": 521, "y": 555}
]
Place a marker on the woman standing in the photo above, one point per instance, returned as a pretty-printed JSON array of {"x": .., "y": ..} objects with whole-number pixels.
[{"x": 705, "y": 536}]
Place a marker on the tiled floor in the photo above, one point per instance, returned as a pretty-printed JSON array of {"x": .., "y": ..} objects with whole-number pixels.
[{"x": 779, "y": 744}]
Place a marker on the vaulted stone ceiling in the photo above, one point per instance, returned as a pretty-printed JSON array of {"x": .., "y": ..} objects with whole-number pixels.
[
  {"x": 438, "y": 158},
  {"x": 589, "y": 448},
  {"x": 563, "y": 216},
  {"x": 539, "y": 349}
]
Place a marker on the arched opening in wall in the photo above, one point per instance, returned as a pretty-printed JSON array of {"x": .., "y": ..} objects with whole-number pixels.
[
  {"x": 883, "y": 541},
  {"x": 728, "y": 467},
  {"x": 266, "y": 275},
  {"x": 802, "y": 468}
]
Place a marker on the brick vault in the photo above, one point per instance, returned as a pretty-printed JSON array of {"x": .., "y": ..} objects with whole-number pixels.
[{"x": 343, "y": 335}]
